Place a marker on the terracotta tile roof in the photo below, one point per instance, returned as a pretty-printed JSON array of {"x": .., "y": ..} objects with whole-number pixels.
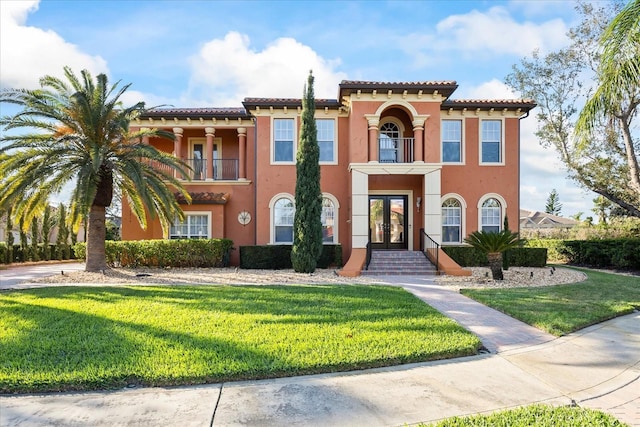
[
  {"x": 204, "y": 198},
  {"x": 445, "y": 87},
  {"x": 287, "y": 102},
  {"x": 458, "y": 104},
  {"x": 221, "y": 113}
]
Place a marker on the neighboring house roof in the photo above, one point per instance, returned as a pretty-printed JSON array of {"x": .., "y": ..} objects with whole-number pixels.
[{"x": 535, "y": 219}]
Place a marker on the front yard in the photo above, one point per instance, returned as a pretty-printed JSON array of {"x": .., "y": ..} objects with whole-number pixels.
[
  {"x": 85, "y": 338},
  {"x": 563, "y": 309}
]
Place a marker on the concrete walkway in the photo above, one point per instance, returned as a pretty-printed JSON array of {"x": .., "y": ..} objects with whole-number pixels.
[
  {"x": 18, "y": 277},
  {"x": 598, "y": 367}
]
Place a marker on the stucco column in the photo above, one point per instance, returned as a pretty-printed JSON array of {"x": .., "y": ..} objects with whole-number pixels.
[
  {"x": 242, "y": 150},
  {"x": 432, "y": 209},
  {"x": 145, "y": 138},
  {"x": 177, "y": 144},
  {"x": 359, "y": 209},
  {"x": 210, "y": 133},
  {"x": 373, "y": 137},
  {"x": 418, "y": 132}
]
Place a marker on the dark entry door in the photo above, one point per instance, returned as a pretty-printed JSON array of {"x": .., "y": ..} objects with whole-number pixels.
[{"x": 387, "y": 222}]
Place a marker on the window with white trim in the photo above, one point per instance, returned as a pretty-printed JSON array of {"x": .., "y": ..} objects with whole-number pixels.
[
  {"x": 451, "y": 141},
  {"x": 326, "y": 139},
  {"x": 451, "y": 221},
  {"x": 283, "y": 140},
  {"x": 194, "y": 226},
  {"x": 491, "y": 213},
  {"x": 491, "y": 141},
  {"x": 328, "y": 221},
  {"x": 283, "y": 213}
]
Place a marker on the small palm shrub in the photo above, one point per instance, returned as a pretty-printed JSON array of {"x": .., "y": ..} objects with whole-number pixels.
[{"x": 494, "y": 244}]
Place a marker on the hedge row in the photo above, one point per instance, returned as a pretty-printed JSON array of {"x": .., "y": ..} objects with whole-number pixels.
[
  {"x": 18, "y": 255},
  {"x": 164, "y": 253},
  {"x": 468, "y": 256},
  {"x": 612, "y": 253},
  {"x": 278, "y": 257}
]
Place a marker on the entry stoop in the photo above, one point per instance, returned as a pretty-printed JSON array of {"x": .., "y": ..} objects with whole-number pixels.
[{"x": 405, "y": 263}]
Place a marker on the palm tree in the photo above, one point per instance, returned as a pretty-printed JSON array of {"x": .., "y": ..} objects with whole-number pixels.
[
  {"x": 494, "y": 244},
  {"x": 78, "y": 130}
]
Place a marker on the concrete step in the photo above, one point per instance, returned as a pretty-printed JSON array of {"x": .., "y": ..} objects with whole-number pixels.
[{"x": 407, "y": 263}]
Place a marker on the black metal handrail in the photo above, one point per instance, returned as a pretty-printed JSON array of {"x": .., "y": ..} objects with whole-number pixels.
[
  {"x": 368, "y": 258},
  {"x": 430, "y": 248}
]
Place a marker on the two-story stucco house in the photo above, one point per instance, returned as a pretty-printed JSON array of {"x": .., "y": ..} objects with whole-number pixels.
[{"x": 397, "y": 160}]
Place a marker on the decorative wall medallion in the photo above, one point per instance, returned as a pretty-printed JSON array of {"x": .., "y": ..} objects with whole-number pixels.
[{"x": 244, "y": 217}]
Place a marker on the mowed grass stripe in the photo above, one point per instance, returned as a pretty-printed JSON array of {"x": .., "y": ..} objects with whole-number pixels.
[
  {"x": 563, "y": 309},
  {"x": 82, "y": 338}
]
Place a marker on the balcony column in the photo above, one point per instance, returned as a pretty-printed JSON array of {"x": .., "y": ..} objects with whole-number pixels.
[
  {"x": 145, "y": 138},
  {"x": 373, "y": 137},
  {"x": 242, "y": 150},
  {"x": 418, "y": 132},
  {"x": 177, "y": 145},
  {"x": 208, "y": 156}
]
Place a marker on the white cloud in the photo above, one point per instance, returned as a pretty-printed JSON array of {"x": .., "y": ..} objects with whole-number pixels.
[
  {"x": 497, "y": 32},
  {"x": 29, "y": 53},
  {"x": 227, "y": 70},
  {"x": 493, "y": 89}
]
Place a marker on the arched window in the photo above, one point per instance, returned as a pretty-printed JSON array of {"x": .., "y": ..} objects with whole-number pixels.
[
  {"x": 283, "y": 213},
  {"x": 389, "y": 142},
  {"x": 451, "y": 221},
  {"x": 491, "y": 215}
]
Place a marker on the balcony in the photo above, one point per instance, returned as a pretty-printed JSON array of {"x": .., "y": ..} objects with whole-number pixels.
[
  {"x": 223, "y": 169},
  {"x": 395, "y": 150}
]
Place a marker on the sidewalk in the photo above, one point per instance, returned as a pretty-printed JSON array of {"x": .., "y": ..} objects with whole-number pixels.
[{"x": 598, "y": 367}]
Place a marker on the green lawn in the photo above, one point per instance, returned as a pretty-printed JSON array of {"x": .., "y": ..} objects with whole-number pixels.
[
  {"x": 82, "y": 338},
  {"x": 534, "y": 415},
  {"x": 562, "y": 309}
]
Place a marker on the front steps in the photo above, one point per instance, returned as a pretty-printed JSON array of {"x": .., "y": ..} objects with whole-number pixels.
[{"x": 396, "y": 263}]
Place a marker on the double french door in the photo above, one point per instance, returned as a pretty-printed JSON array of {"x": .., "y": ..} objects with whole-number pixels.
[{"x": 388, "y": 222}]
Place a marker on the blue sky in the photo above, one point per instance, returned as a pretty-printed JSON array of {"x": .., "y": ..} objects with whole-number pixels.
[{"x": 215, "y": 53}]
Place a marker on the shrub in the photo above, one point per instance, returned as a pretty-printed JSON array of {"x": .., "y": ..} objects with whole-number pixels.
[
  {"x": 164, "y": 253},
  {"x": 555, "y": 248},
  {"x": 4, "y": 253},
  {"x": 612, "y": 253},
  {"x": 468, "y": 256},
  {"x": 278, "y": 257}
]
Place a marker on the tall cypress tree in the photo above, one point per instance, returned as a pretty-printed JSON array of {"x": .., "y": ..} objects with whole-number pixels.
[{"x": 307, "y": 224}]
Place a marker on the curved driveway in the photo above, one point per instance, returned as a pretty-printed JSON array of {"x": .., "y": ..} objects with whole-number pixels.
[{"x": 13, "y": 276}]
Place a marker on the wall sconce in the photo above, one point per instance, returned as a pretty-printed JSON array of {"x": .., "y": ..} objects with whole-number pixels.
[{"x": 418, "y": 202}]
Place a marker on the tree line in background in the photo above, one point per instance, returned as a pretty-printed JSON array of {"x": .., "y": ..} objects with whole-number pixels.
[
  {"x": 48, "y": 237},
  {"x": 598, "y": 143}
]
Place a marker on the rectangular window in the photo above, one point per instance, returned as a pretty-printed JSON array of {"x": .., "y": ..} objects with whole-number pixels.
[
  {"x": 451, "y": 141},
  {"x": 491, "y": 141},
  {"x": 491, "y": 219},
  {"x": 283, "y": 140},
  {"x": 193, "y": 227},
  {"x": 326, "y": 136},
  {"x": 284, "y": 214},
  {"x": 451, "y": 225}
]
